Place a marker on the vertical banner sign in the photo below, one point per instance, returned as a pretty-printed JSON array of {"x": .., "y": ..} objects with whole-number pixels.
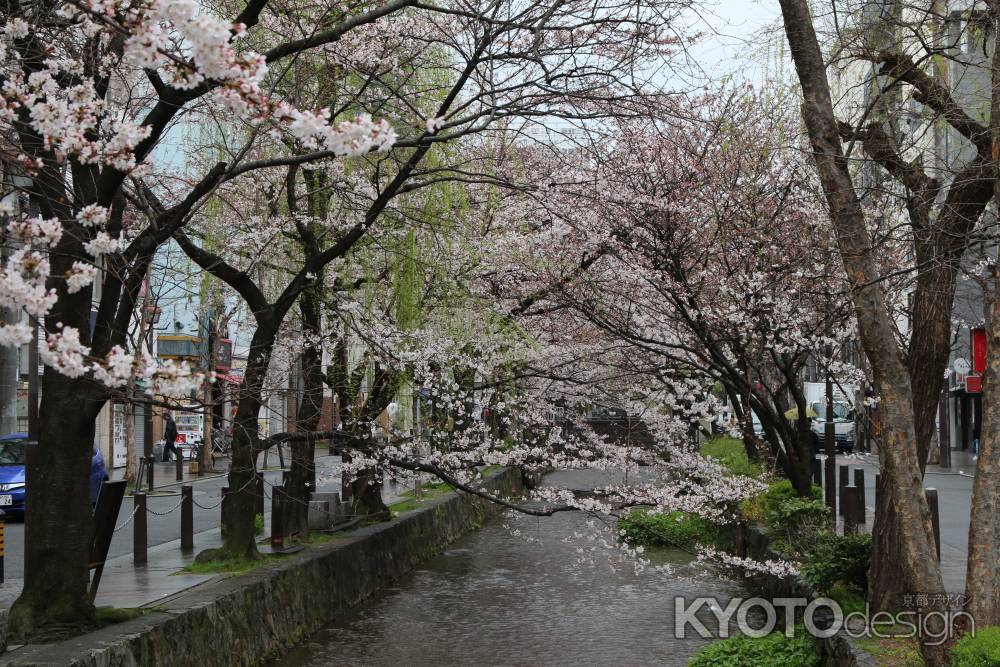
[{"x": 978, "y": 351}]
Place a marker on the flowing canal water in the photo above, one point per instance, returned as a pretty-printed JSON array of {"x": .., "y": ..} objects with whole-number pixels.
[{"x": 518, "y": 595}]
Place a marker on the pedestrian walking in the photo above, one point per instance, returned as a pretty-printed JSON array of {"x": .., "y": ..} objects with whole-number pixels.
[{"x": 169, "y": 437}]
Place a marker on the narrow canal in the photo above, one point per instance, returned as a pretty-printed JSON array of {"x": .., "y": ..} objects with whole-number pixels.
[{"x": 517, "y": 595}]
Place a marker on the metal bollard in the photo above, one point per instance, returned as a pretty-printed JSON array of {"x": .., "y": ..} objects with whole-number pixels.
[
  {"x": 859, "y": 483},
  {"x": 830, "y": 485},
  {"x": 187, "y": 517},
  {"x": 345, "y": 479},
  {"x": 3, "y": 523},
  {"x": 932, "y": 502},
  {"x": 845, "y": 472},
  {"x": 149, "y": 467},
  {"x": 277, "y": 525},
  {"x": 259, "y": 493},
  {"x": 849, "y": 502},
  {"x": 817, "y": 472},
  {"x": 139, "y": 556},
  {"x": 180, "y": 467},
  {"x": 944, "y": 433}
]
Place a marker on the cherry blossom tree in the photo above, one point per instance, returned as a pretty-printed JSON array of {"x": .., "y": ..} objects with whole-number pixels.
[
  {"x": 478, "y": 68},
  {"x": 697, "y": 242},
  {"x": 90, "y": 90}
]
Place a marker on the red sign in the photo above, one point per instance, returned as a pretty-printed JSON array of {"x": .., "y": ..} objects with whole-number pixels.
[
  {"x": 978, "y": 351},
  {"x": 973, "y": 384}
]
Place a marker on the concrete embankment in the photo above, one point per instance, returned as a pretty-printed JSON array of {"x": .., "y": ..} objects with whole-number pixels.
[{"x": 247, "y": 619}]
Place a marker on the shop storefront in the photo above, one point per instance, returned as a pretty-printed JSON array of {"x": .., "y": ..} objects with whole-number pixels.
[{"x": 965, "y": 394}]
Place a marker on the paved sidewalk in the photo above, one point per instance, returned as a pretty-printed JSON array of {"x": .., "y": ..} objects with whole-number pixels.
[
  {"x": 954, "y": 487},
  {"x": 165, "y": 474},
  {"x": 125, "y": 584}
]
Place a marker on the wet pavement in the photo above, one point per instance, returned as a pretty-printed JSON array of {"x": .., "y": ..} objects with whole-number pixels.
[
  {"x": 954, "y": 487},
  {"x": 125, "y": 584}
]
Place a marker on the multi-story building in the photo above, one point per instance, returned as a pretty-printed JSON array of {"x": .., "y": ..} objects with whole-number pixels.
[{"x": 962, "y": 41}]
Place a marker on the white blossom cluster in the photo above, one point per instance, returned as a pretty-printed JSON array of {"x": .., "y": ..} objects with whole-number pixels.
[{"x": 777, "y": 568}]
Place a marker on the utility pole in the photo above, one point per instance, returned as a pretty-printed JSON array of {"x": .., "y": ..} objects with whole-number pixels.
[
  {"x": 830, "y": 438},
  {"x": 9, "y": 356},
  {"x": 208, "y": 402},
  {"x": 33, "y": 384}
]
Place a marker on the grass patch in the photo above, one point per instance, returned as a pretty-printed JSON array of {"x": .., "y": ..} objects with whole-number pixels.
[
  {"x": 732, "y": 454},
  {"x": 981, "y": 650},
  {"x": 892, "y": 651},
  {"x": 230, "y": 565},
  {"x": 322, "y": 538},
  {"x": 676, "y": 529},
  {"x": 848, "y": 598},
  {"x": 774, "y": 649},
  {"x": 428, "y": 491}
]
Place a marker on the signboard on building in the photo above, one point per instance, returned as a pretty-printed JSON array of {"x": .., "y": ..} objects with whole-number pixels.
[
  {"x": 224, "y": 354},
  {"x": 118, "y": 447},
  {"x": 978, "y": 350}
]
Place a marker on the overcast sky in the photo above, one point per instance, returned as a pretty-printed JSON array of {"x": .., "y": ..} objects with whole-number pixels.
[{"x": 744, "y": 40}]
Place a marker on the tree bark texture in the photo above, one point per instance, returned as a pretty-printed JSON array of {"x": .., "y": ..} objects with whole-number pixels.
[{"x": 901, "y": 464}]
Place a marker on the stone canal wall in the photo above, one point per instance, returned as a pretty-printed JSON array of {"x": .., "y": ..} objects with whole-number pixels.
[{"x": 250, "y": 618}]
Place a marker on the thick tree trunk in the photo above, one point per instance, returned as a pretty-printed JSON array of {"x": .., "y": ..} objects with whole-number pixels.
[
  {"x": 982, "y": 580},
  {"x": 901, "y": 465},
  {"x": 58, "y": 516},
  {"x": 131, "y": 456},
  {"x": 366, "y": 497},
  {"x": 239, "y": 506},
  {"x": 57, "y": 527},
  {"x": 302, "y": 477},
  {"x": 207, "y": 459},
  {"x": 888, "y": 583}
]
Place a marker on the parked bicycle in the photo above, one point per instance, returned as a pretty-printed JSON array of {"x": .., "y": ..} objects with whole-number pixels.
[{"x": 222, "y": 441}]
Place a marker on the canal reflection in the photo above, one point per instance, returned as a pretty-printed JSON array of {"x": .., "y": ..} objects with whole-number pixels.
[{"x": 497, "y": 599}]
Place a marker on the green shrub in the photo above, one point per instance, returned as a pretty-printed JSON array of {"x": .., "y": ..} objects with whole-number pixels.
[
  {"x": 731, "y": 453},
  {"x": 774, "y": 649},
  {"x": 838, "y": 559},
  {"x": 756, "y": 509},
  {"x": 258, "y": 524},
  {"x": 983, "y": 650},
  {"x": 794, "y": 523},
  {"x": 782, "y": 490},
  {"x": 676, "y": 529},
  {"x": 847, "y": 597}
]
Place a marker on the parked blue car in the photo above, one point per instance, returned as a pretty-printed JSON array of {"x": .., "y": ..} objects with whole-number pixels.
[{"x": 12, "y": 453}]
